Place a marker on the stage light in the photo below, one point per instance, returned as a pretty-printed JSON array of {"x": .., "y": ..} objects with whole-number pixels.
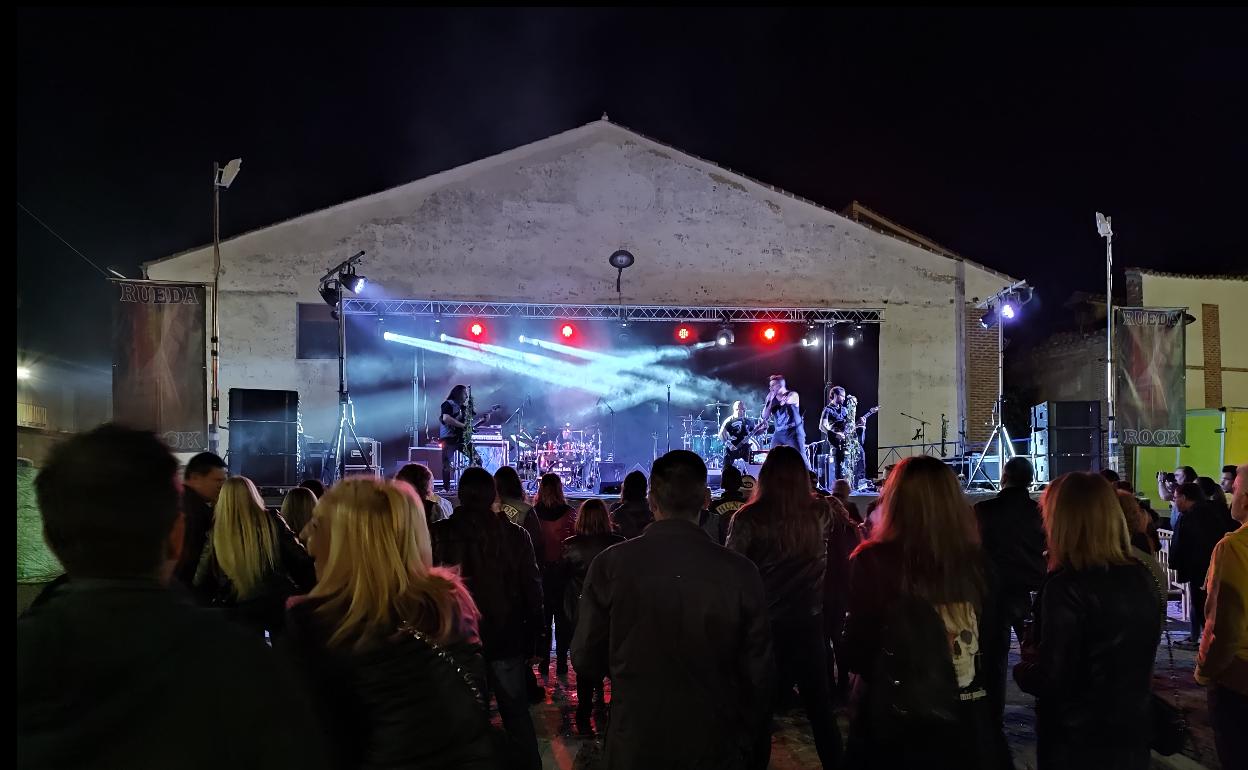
[
  {"x": 725, "y": 336},
  {"x": 23, "y": 373},
  {"x": 351, "y": 281},
  {"x": 477, "y": 329},
  {"x": 685, "y": 334},
  {"x": 769, "y": 333},
  {"x": 567, "y": 331},
  {"x": 850, "y": 341},
  {"x": 329, "y": 293},
  {"x": 1007, "y": 311},
  {"x": 811, "y": 340}
]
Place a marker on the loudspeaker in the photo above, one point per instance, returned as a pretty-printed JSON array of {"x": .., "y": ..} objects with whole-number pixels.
[
  {"x": 267, "y": 438},
  {"x": 610, "y": 478},
  {"x": 267, "y": 470},
  {"x": 1066, "y": 437},
  {"x": 1066, "y": 414},
  {"x": 264, "y": 405}
]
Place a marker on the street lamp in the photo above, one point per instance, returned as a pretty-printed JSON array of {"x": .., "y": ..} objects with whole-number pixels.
[{"x": 222, "y": 178}]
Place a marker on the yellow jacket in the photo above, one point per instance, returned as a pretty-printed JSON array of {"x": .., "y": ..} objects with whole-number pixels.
[{"x": 1223, "y": 656}]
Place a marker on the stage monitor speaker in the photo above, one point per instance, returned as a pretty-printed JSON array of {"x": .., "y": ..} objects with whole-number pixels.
[
  {"x": 610, "y": 478},
  {"x": 264, "y": 405},
  {"x": 267, "y": 470},
  {"x": 428, "y": 456}
]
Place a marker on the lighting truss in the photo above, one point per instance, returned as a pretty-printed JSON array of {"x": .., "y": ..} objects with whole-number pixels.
[{"x": 451, "y": 309}]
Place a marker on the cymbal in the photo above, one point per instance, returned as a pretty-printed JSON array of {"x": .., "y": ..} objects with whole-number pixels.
[{"x": 717, "y": 404}]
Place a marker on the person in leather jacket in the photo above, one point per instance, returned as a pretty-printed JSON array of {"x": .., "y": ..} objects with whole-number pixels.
[
  {"x": 495, "y": 558},
  {"x": 1090, "y": 659},
  {"x": 387, "y": 642},
  {"x": 784, "y": 531},
  {"x": 593, "y": 536}
]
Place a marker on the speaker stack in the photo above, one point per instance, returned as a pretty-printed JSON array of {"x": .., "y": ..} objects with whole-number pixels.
[
  {"x": 265, "y": 429},
  {"x": 1065, "y": 437}
]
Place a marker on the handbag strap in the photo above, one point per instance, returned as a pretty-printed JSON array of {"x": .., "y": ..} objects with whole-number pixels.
[{"x": 407, "y": 629}]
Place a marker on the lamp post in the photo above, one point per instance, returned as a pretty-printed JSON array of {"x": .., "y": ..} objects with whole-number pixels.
[
  {"x": 1104, "y": 227},
  {"x": 222, "y": 178}
]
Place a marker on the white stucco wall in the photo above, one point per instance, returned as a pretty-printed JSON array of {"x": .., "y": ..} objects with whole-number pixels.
[{"x": 536, "y": 224}]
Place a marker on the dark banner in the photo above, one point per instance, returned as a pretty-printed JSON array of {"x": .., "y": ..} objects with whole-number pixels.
[
  {"x": 159, "y": 377},
  {"x": 1150, "y": 377}
]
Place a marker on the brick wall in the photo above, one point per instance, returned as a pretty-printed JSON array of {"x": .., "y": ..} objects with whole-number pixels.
[
  {"x": 981, "y": 376},
  {"x": 1212, "y": 334}
]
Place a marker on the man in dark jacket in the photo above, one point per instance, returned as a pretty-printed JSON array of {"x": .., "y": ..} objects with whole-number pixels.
[
  {"x": 680, "y": 625},
  {"x": 1202, "y": 524},
  {"x": 495, "y": 558},
  {"x": 204, "y": 476},
  {"x": 1012, "y": 533},
  {"x": 116, "y": 670}
]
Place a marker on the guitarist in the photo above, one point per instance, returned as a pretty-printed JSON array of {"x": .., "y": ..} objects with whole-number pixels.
[
  {"x": 454, "y": 419},
  {"x": 735, "y": 433},
  {"x": 835, "y": 424}
]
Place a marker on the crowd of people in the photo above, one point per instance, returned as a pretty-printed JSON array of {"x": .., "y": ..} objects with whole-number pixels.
[{"x": 186, "y": 624}]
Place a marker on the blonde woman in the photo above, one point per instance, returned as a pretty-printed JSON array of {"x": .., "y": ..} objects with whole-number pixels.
[
  {"x": 297, "y": 509},
  {"x": 388, "y": 642},
  {"x": 1090, "y": 660},
  {"x": 251, "y": 561},
  {"x": 919, "y": 604}
]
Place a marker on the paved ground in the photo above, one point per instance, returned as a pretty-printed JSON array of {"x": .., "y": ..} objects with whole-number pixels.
[{"x": 564, "y": 748}]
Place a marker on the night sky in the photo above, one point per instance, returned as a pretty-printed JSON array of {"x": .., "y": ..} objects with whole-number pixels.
[{"x": 995, "y": 133}]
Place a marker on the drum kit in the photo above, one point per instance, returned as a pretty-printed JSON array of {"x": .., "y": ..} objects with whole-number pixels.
[
  {"x": 572, "y": 455},
  {"x": 701, "y": 436}
]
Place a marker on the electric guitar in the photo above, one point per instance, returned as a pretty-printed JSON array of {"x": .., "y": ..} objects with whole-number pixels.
[{"x": 862, "y": 422}]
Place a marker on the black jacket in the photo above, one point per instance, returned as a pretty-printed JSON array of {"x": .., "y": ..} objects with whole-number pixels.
[
  {"x": 1012, "y": 534},
  {"x": 578, "y": 552},
  {"x": 496, "y": 561},
  {"x": 266, "y": 608},
  {"x": 631, "y": 518},
  {"x": 793, "y": 580},
  {"x": 197, "y": 516},
  {"x": 972, "y": 739},
  {"x": 680, "y": 625},
  {"x": 1199, "y": 531},
  {"x": 399, "y": 704},
  {"x": 1090, "y": 664},
  {"x": 128, "y": 674}
]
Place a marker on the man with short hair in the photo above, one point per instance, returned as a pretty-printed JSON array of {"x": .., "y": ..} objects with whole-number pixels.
[
  {"x": 840, "y": 490},
  {"x": 680, "y": 625},
  {"x": 1202, "y": 525},
  {"x": 116, "y": 670},
  {"x": 1222, "y": 664},
  {"x": 785, "y": 407},
  {"x": 204, "y": 476},
  {"x": 496, "y": 560},
  {"x": 1012, "y": 532},
  {"x": 1228, "y": 478}
]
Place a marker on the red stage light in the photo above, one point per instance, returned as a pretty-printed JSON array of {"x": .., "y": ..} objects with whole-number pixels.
[
  {"x": 568, "y": 331},
  {"x": 769, "y": 333},
  {"x": 477, "y": 329},
  {"x": 684, "y": 333}
]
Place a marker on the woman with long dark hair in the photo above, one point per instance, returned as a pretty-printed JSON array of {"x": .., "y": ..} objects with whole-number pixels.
[
  {"x": 557, "y": 520},
  {"x": 918, "y": 594},
  {"x": 593, "y": 536},
  {"x": 784, "y": 531}
]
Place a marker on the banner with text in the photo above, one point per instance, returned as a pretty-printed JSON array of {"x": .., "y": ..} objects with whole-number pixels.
[
  {"x": 159, "y": 375},
  {"x": 1150, "y": 375}
]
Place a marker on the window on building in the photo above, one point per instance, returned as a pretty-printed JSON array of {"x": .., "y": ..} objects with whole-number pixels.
[{"x": 316, "y": 332}]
